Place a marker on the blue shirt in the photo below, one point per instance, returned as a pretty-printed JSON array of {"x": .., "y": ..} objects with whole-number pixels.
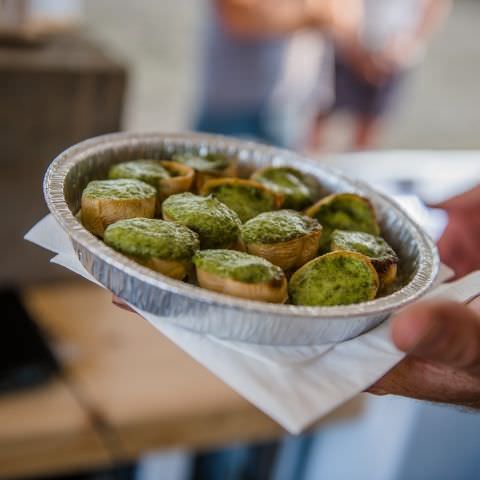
[{"x": 238, "y": 74}]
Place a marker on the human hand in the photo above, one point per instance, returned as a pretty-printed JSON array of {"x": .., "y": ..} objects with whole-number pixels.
[
  {"x": 118, "y": 302},
  {"x": 459, "y": 245},
  {"x": 377, "y": 67},
  {"x": 399, "y": 53},
  {"x": 442, "y": 339},
  {"x": 374, "y": 69},
  {"x": 368, "y": 65}
]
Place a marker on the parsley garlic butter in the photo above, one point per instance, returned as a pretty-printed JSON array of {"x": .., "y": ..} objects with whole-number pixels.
[{"x": 270, "y": 238}]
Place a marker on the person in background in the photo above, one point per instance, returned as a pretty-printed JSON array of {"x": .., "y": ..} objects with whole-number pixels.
[
  {"x": 369, "y": 71},
  {"x": 243, "y": 54}
]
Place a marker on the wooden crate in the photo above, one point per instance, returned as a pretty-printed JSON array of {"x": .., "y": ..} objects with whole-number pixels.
[{"x": 51, "y": 96}]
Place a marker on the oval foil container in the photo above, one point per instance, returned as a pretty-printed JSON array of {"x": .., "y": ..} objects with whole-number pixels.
[{"x": 208, "y": 312}]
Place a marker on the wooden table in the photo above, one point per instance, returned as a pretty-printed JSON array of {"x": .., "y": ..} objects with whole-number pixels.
[{"x": 125, "y": 390}]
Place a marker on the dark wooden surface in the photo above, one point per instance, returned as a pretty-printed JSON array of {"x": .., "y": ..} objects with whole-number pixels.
[
  {"x": 51, "y": 96},
  {"x": 125, "y": 390}
]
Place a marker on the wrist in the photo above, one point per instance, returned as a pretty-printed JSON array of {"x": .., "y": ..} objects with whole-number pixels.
[{"x": 423, "y": 380}]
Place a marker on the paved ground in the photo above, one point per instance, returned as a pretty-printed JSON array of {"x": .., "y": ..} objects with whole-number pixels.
[
  {"x": 159, "y": 40},
  {"x": 443, "y": 109}
]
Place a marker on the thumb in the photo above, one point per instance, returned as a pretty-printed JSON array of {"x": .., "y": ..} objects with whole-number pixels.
[{"x": 440, "y": 331}]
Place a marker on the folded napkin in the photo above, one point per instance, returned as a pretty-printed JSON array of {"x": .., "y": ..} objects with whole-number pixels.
[{"x": 293, "y": 385}]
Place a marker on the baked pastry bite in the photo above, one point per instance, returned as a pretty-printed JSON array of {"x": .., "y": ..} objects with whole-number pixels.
[
  {"x": 166, "y": 176},
  {"x": 344, "y": 211},
  {"x": 217, "y": 225},
  {"x": 209, "y": 166},
  {"x": 285, "y": 237},
  {"x": 289, "y": 182},
  {"x": 106, "y": 201},
  {"x": 165, "y": 247},
  {"x": 245, "y": 197},
  {"x": 381, "y": 254},
  {"x": 240, "y": 275},
  {"x": 336, "y": 278},
  {"x": 148, "y": 171}
]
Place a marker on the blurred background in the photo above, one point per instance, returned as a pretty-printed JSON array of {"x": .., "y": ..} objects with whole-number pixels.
[
  {"x": 89, "y": 391},
  {"x": 161, "y": 44}
]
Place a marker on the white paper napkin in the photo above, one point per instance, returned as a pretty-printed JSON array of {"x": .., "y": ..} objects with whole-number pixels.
[{"x": 293, "y": 385}]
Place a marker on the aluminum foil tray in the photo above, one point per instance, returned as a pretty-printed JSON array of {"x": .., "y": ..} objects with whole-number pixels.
[{"x": 208, "y": 312}]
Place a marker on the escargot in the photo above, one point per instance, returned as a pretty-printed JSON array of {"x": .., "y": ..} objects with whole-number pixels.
[
  {"x": 245, "y": 197},
  {"x": 106, "y": 201},
  {"x": 241, "y": 275},
  {"x": 165, "y": 247},
  {"x": 285, "y": 237},
  {"x": 336, "y": 278}
]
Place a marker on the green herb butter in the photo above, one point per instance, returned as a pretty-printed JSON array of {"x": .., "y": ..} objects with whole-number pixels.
[
  {"x": 246, "y": 201},
  {"x": 337, "y": 278},
  {"x": 149, "y": 171},
  {"x": 370, "y": 245},
  {"x": 237, "y": 266},
  {"x": 217, "y": 225},
  {"x": 279, "y": 226},
  {"x": 212, "y": 162},
  {"x": 151, "y": 238},
  {"x": 122, "y": 189},
  {"x": 344, "y": 211},
  {"x": 289, "y": 182}
]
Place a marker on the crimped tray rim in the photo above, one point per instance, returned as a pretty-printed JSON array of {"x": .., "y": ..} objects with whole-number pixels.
[{"x": 54, "y": 195}]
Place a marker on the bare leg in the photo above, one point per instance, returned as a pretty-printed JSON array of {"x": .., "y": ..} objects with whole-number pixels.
[{"x": 367, "y": 131}]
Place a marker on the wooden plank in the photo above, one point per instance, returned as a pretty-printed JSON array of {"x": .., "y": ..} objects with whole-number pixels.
[
  {"x": 45, "y": 430},
  {"x": 147, "y": 389}
]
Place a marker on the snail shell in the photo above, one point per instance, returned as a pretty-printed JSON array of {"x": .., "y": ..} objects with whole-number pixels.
[
  {"x": 202, "y": 177},
  {"x": 274, "y": 291},
  {"x": 285, "y": 238},
  {"x": 182, "y": 182},
  {"x": 171, "y": 268},
  {"x": 98, "y": 212},
  {"x": 288, "y": 255}
]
